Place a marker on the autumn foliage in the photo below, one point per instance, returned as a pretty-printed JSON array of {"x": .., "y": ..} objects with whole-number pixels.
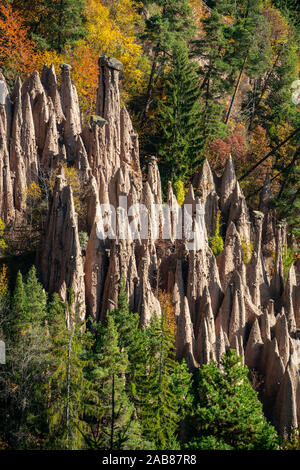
[
  {"x": 168, "y": 309},
  {"x": 3, "y": 282},
  {"x": 17, "y": 52},
  {"x": 234, "y": 144}
]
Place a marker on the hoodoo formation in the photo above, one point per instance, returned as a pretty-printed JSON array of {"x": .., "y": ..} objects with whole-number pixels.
[{"x": 220, "y": 302}]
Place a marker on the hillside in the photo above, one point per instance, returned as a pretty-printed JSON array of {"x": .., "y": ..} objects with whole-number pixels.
[{"x": 149, "y": 228}]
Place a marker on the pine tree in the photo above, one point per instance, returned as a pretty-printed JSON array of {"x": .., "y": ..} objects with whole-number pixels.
[
  {"x": 29, "y": 301},
  {"x": 24, "y": 374},
  {"x": 19, "y": 297},
  {"x": 251, "y": 52},
  {"x": 54, "y": 24},
  {"x": 170, "y": 21},
  {"x": 161, "y": 390},
  {"x": 215, "y": 73},
  {"x": 36, "y": 300},
  {"x": 112, "y": 422},
  {"x": 229, "y": 414},
  {"x": 68, "y": 389},
  {"x": 178, "y": 141}
]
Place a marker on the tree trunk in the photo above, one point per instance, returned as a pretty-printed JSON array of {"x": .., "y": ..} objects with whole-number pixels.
[
  {"x": 112, "y": 413},
  {"x": 289, "y": 169},
  {"x": 150, "y": 86},
  {"x": 253, "y": 108},
  {"x": 256, "y": 104},
  {"x": 68, "y": 390},
  {"x": 236, "y": 89},
  {"x": 269, "y": 154}
]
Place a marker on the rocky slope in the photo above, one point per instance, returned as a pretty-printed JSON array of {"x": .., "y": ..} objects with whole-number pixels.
[{"x": 218, "y": 303}]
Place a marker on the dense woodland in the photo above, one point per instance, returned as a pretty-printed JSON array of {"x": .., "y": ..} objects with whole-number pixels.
[{"x": 201, "y": 81}]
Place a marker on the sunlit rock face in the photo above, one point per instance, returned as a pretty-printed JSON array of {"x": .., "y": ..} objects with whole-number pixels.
[{"x": 232, "y": 301}]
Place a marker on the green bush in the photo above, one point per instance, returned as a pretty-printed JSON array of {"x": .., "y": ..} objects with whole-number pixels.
[
  {"x": 83, "y": 240},
  {"x": 216, "y": 242},
  {"x": 179, "y": 191}
]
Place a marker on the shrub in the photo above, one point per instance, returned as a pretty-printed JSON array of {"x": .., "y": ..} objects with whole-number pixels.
[
  {"x": 179, "y": 191},
  {"x": 247, "y": 248},
  {"x": 83, "y": 240},
  {"x": 216, "y": 242},
  {"x": 288, "y": 258},
  {"x": 3, "y": 244}
]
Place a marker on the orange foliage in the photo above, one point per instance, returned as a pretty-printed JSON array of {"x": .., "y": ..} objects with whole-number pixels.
[
  {"x": 17, "y": 51},
  {"x": 259, "y": 146},
  {"x": 84, "y": 63}
]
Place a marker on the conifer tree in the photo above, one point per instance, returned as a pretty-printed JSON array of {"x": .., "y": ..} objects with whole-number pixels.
[
  {"x": 170, "y": 21},
  {"x": 215, "y": 74},
  {"x": 18, "y": 303},
  {"x": 178, "y": 141},
  {"x": 54, "y": 24},
  {"x": 36, "y": 300},
  {"x": 68, "y": 388},
  {"x": 112, "y": 423},
  {"x": 162, "y": 390},
  {"x": 229, "y": 414},
  {"x": 24, "y": 374}
]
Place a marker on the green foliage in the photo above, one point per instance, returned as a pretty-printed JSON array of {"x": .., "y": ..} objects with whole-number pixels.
[
  {"x": 161, "y": 388},
  {"x": 54, "y": 24},
  {"x": 216, "y": 242},
  {"x": 169, "y": 22},
  {"x": 210, "y": 49},
  {"x": 3, "y": 244},
  {"x": 177, "y": 141},
  {"x": 208, "y": 443},
  {"x": 67, "y": 389},
  {"x": 288, "y": 258},
  {"x": 229, "y": 414},
  {"x": 29, "y": 301},
  {"x": 112, "y": 411},
  {"x": 293, "y": 443},
  {"x": 25, "y": 373},
  {"x": 83, "y": 240}
]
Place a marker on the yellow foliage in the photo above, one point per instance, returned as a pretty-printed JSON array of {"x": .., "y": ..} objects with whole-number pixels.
[
  {"x": 247, "y": 248},
  {"x": 200, "y": 11},
  {"x": 280, "y": 30},
  {"x": 179, "y": 191},
  {"x": 3, "y": 282},
  {"x": 111, "y": 27},
  {"x": 3, "y": 445},
  {"x": 84, "y": 62},
  {"x": 112, "y": 33},
  {"x": 51, "y": 57},
  {"x": 168, "y": 310},
  {"x": 34, "y": 191},
  {"x": 3, "y": 244},
  {"x": 72, "y": 178}
]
